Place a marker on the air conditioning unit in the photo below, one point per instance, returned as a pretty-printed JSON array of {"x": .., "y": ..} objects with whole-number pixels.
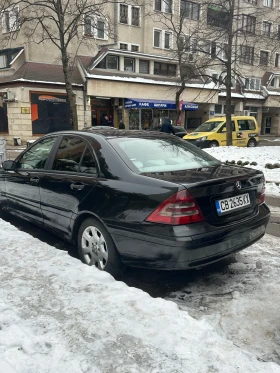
[{"x": 8, "y": 96}]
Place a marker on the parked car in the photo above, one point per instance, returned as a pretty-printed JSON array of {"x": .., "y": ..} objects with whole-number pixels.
[
  {"x": 212, "y": 133},
  {"x": 180, "y": 131},
  {"x": 136, "y": 198}
]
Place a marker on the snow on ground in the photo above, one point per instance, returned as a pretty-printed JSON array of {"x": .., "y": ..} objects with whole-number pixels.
[
  {"x": 241, "y": 301},
  {"x": 58, "y": 315},
  {"x": 261, "y": 155}
]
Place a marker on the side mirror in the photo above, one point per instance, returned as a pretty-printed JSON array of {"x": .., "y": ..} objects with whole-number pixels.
[{"x": 9, "y": 165}]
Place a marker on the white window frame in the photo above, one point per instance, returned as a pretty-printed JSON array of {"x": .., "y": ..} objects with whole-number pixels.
[
  {"x": 160, "y": 38},
  {"x": 164, "y": 6},
  {"x": 129, "y": 15},
  {"x": 253, "y": 84},
  {"x": 136, "y": 45},
  {"x": 220, "y": 51},
  {"x": 14, "y": 25},
  {"x": 129, "y": 46},
  {"x": 170, "y": 40},
  {"x": 265, "y": 3},
  {"x": 278, "y": 59},
  {"x": 199, "y": 11},
  {"x": 94, "y": 31}
]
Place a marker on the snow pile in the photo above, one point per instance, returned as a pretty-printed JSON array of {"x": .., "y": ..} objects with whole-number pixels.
[
  {"x": 261, "y": 155},
  {"x": 58, "y": 315}
]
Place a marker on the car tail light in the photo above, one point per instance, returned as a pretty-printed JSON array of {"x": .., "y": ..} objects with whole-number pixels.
[
  {"x": 181, "y": 208},
  {"x": 262, "y": 195}
]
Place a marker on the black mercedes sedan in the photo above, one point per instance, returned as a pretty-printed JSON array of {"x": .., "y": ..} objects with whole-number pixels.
[{"x": 135, "y": 198}]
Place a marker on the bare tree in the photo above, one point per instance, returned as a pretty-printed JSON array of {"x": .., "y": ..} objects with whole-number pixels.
[
  {"x": 214, "y": 35},
  {"x": 67, "y": 24}
]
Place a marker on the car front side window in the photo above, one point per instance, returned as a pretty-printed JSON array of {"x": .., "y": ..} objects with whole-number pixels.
[{"x": 36, "y": 157}]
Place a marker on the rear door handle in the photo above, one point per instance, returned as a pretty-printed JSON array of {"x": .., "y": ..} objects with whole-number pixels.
[
  {"x": 35, "y": 179},
  {"x": 77, "y": 186}
]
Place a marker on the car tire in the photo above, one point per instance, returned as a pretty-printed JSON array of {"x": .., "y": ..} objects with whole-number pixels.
[
  {"x": 252, "y": 143},
  {"x": 96, "y": 247},
  {"x": 213, "y": 144}
]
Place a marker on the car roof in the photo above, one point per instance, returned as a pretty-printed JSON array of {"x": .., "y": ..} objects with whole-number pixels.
[
  {"x": 125, "y": 133},
  {"x": 222, "y": 119}
]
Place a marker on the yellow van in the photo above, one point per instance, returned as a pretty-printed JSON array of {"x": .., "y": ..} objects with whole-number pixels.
[{"x": 245, "y": 132}]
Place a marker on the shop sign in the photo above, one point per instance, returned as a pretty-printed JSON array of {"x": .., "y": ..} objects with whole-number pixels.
[{"x": 157, "y": 104}]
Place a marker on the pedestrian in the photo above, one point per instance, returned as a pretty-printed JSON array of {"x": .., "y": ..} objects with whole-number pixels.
[
  {"x": 166, "y": 127},
  {"x": 110, "y": 120},
  {"x": 121, "y": 125},
  {"x": 104, "y": 120}
]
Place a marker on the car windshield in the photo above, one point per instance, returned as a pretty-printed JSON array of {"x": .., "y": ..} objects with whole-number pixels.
[
  {"x": 209, "y": 126},
  {"x": 159, "y": 155}
]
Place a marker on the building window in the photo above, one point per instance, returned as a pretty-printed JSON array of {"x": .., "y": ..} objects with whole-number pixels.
[
  {"x": 144, "y": 67},
  {"x": 167, "y": 40},
  {"x": 253, "y": 2},
  {"x": 129, "y": 64},
  {"x": 135, "y": 48},
  {"x": 277, "y": 60},
  {"x": 135, "y": 16},
  {"x": 253, "y": 84},
  {"x": 124, "y": 46},
  {"x": 109, "y": 62},
  {"x": 266, "y": 28},
  {"x": 7, "y": 55},
  {"x": 164, "y": 69},
  {"x": 157, "y": 38},
  {"x": 162, "y": 39},
  {"x": 264, "y": 57},
  {"x": 217, "y": 16},
  {"x": 10, "y": 20},
  {"x": 190, "y": 10},
  {"x": 248, "y": 24},
  {"x": 268, "y": 3},
  {"x": 222, "y": 51},
  {"x": 272, "y": 83},
  {"x": 95, "y": 27},
  {"x": 124, "y": 14},
  {"x": 163, "y": 6},
  {"x": 247, "y": 54}
]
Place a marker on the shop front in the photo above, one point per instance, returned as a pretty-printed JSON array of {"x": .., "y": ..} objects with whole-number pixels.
[{"x": 149, "y": 114}]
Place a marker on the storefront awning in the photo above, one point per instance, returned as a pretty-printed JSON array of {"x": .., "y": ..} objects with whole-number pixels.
[{"x": 136, "y": 103}]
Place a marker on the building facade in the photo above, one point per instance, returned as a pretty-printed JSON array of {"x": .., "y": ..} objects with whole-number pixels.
[{"x": 131, "y": 61}]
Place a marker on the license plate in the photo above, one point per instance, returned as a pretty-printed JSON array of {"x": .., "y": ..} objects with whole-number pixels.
[{"x": 232, "y": 203}]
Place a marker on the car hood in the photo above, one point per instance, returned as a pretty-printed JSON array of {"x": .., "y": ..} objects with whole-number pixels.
[{"x": 196, "y": 135}]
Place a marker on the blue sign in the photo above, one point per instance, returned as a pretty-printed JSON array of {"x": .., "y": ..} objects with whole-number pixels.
[{"x": 156, "y": 104}]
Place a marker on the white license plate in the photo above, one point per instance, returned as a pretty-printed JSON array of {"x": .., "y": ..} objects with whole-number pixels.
[{"x": 232, "y": 203}]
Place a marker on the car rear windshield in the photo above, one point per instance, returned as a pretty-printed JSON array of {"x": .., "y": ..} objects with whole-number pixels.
[
  {"x": 209, "y": 126},
  {"x": 160, "y": 155}
]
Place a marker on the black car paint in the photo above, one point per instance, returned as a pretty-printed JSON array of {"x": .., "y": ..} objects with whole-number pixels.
[{"x": 122, "y": 199}]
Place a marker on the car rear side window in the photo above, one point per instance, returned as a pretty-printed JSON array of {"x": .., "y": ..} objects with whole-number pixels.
[
  {"x": 36, "y": 157},
  {"x": 246, "y": 125},
  {"x": 88, "y": 164},
  {"x": 161, "y": 155},
  {"x": 69, "y": 154}
]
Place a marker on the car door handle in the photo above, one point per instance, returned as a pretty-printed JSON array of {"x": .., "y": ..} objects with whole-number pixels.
[
  {"x": 35, "y": 179},
  {"x": 77, "y": 186}
]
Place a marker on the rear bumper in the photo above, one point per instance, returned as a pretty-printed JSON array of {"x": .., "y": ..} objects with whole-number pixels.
[{"x": 177, "y": 253}]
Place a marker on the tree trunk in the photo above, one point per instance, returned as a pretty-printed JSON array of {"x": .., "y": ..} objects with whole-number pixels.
[
  {"x": 228, "y": 76},
  {"x": 70, "y": 98}
]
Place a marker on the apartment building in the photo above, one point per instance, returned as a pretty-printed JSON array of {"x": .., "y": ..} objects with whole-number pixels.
[{"x": 129, "y": 66}]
